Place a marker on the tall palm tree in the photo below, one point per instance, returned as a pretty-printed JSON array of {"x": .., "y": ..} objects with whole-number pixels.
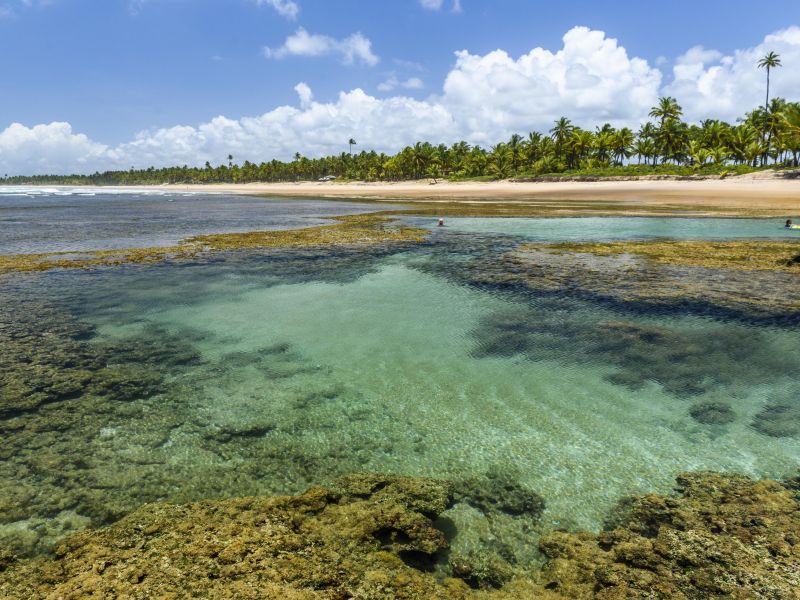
[
  {"x": 770, "y": 61},
  {"x": 351, "y": 142}
]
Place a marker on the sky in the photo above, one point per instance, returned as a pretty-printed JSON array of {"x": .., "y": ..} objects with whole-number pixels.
[{"x": 91, "y": 85}]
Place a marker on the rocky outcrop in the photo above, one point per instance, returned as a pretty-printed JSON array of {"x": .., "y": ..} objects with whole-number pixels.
[{"x": 372, "y": 537}]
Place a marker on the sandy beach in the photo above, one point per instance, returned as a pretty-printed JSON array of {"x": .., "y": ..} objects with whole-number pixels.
[{"x": 761, "y": 194}]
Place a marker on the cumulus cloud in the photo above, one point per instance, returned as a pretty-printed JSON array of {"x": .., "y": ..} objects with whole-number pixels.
[
  {"x": 49, "y": 148},
  {"x": 285, "y": 8},
  {"x": 591, "y": 79},
  {"x": 707, "y": 82},
  {"x": 314, "y": 129},
  {"x": 301, "y": 43}
]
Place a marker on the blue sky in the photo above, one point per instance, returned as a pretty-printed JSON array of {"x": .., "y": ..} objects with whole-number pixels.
[{"x": 112, "y": 69}]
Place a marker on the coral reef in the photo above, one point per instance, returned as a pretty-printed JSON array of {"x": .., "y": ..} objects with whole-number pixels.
[
  {"x": 358, "y": 230},
  {"x": 746, "y": 255},
  {"x": 372, "y": 537},
  {"x": 751, "y": 278},
  {"x": 724, "y": 536}
]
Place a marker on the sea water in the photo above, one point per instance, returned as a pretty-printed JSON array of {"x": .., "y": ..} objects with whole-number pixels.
[{"x": 290, "y": 368}]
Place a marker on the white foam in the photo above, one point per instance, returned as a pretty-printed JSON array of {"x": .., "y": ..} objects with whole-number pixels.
[{"x": 33, "y": 190}]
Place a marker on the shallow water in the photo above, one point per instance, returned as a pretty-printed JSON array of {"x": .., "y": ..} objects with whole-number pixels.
[
  {"x": 590, "y": 229},
  {"x": 277, "y": 370},
  {"x": 57, "y": 219}
]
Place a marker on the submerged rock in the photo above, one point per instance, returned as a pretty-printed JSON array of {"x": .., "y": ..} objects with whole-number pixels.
[
  {"x": 481, "y": 569},
  {"x": 712, "y": 413},
  {"x": 499, "y": 491},
  {"x": 778, "y": 420}
]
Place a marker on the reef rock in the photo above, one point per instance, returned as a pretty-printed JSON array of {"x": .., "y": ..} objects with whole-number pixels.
[
  {"x": 367, "y": 537},
  {"x": 326, "y": 543},
  {"x": 723, "y": 537}
]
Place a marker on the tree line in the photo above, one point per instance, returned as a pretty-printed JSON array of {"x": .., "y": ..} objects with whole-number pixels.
[{"x": 766, "y": 136}]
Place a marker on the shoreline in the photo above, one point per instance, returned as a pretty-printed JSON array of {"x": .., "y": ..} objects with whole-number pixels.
[{"x": 745, "y": 195}]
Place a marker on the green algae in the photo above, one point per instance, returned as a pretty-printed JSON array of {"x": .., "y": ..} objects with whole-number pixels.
[
  {"x": 373, "y": 537},
  {"x": 563, "y": 208},
  {"x": 355, "y": 230},
  {"x": 747, "y": 255}
]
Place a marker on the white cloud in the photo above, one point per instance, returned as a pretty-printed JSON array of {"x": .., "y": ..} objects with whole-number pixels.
[
  {"x": 412, "y": 83},
  {"x": 591, "y": 79},
  {"x": 285, "y": 8},
  {"x": 314, "y": 129},
  {"x": 304, "y": 93},
  {"x": 708, "y": 83},
  {"x": 352, "y": 48},
  {"x": 49, "y": 148},
  {"x": 437, "y": 5}
]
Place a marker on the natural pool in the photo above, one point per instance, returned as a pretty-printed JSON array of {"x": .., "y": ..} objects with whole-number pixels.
[{"x": 267, "y": 372}]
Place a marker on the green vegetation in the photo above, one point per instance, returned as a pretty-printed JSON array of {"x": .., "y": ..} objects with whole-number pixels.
[{"x": 767, "y": 137}]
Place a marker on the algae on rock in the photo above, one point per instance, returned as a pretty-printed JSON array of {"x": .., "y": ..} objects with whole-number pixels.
[{"x": 721, "y": 536}]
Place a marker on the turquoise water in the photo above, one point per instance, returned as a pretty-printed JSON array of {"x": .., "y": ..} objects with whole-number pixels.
[
  {"x": 616, "y": 228},
  {"x": 269, "y": 372}
]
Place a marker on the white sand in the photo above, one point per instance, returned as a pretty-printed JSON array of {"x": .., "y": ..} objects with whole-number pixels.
[{"x": 759, "y": 192}]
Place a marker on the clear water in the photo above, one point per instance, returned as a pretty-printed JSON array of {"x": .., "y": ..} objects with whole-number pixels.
[
  {"x": 588, "y": 229},
  {"x": 310, "y": 364},
  {"x": 64, "y": 219}
]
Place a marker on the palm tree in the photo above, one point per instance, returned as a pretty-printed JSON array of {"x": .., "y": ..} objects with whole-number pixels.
[
  {"x": 791, "y": 118},
  {"x": 770, "y": 61},
  {"x": 561, "y": 130},
  {"x": 515, "y": 146},
  {"x": 666, "y": 110},
  {"x": 351, "y": 142},
  {"x": 230, "y": 161},
  {"x": 421, "y": 156}
]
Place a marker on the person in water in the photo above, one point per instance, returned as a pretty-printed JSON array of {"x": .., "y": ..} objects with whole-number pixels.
[
  {"x": 441, "y": 223},
  {"x": 788, "y": 223}
]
